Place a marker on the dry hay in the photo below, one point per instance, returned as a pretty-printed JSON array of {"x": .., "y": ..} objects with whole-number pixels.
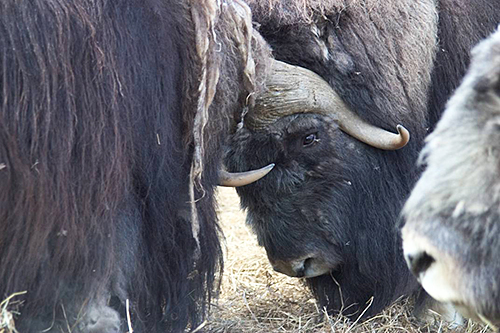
[
  {"x": 7, "y": 311},
  {"x": 256, "y": 299}
]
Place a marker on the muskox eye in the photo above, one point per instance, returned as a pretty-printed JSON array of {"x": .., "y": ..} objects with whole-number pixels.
[{"x": 310, "y": 139}]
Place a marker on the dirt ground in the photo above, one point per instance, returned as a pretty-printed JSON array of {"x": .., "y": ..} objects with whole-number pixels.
[{"x": 256, "y": 299}]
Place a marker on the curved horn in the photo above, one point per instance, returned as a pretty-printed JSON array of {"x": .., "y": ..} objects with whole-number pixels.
[
  {"x": 293, "y": 89},
  {"x": 243, "y": 178}
]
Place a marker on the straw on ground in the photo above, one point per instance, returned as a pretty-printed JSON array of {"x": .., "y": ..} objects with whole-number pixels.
[{"x": 256, "y": 299}]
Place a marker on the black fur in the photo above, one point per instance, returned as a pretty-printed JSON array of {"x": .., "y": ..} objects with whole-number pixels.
[
  {"x": 461, "y": 26},
  {"x": 341, "y": 197}
]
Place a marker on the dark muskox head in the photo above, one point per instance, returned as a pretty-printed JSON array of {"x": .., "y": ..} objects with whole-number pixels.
[
  {"x": 327, "y": 211},
  {"x": 282, "y": 113},
  {"x": 301, "y": 211},
  {"x": 452, "y": 232}
]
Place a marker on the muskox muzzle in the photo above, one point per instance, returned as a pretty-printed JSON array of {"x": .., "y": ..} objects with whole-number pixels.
[
  {"x": 293, "y": 90},
  {"x": 309, "y": 266},
  {"x": 446, "y": 277},
  {"x": 435, "y": 270}
]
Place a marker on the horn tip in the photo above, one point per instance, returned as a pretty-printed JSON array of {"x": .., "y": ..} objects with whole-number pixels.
[
  {"x": 270, "y": 166},
  {"x": 243, "y": 178},
  {"x": 404, "y": 134}
]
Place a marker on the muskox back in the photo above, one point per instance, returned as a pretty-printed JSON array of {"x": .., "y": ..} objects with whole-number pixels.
[
  {"x": 461, "y": 26},
  {"x": 451, "y": 236},
  {"x": 107, "y": 174}
]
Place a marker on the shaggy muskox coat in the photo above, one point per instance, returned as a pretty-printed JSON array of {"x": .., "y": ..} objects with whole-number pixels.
[{"x": 112, "y": 115}]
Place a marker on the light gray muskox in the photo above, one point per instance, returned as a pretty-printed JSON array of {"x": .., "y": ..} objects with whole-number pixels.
[{"x": 451, "y": 237}]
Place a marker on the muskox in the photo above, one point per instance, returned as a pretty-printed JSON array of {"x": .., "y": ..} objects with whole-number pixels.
[
  {"x": 112, "y": 118},
  {"x": 451, "y": 236},
  {"x": 328, "y": 210}
]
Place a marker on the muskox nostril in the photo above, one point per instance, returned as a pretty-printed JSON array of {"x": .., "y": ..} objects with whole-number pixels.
[
  {"x": 300, "y": 273},
  {"x": 299, "y": 268},
  {"x": 307, "y": 263},
  {"x": 419, "y": 262}
]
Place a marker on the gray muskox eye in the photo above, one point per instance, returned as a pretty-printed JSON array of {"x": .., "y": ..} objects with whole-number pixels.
[{"x": 310, "y": 139}]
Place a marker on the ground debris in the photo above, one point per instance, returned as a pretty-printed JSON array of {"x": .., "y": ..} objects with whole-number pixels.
[
  {"x": 7, "y": 310},
  {"x": 255, "y": 299}
]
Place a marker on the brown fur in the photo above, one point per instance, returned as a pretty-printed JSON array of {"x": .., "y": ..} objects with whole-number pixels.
[{"x": 99, "y": 127}]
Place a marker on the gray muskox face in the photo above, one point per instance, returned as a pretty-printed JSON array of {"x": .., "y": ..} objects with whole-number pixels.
[
  {"x": 452, "y": 232},
  {"x": 300, "y": 124}
]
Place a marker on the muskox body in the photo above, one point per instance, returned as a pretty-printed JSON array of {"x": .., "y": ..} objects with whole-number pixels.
[
  {"x": 451, "y": 236},
  {"x": 328, "y": 210},
  {"x": 107, "y": 170}
]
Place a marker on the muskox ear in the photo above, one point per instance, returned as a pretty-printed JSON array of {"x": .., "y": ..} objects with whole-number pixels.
[
  {"x": 489, "y": 83},
  {"x": 496, "y": 86},
  {"x": 486, "y": 60}
]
